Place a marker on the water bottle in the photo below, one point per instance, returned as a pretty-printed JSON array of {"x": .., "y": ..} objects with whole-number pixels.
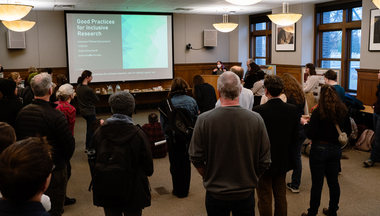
[
  {"x": 117, "y": 89},
  {"x": 110, "y": 89}
]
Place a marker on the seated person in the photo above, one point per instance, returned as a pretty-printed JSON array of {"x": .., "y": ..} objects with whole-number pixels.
[
  {"x": 219, "y": 68},
  {"x": 154, "y": 132},
  {"x": 25, "y": 170}
]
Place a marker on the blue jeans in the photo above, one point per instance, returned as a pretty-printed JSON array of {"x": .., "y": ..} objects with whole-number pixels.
[
  {"x": 296, "y": 151},
  {"x": 89, "y": 134},
  {"x": 375, "y": 153},
  {"x": 217, "y": 207},
  {"x": 324, "y": 161}
]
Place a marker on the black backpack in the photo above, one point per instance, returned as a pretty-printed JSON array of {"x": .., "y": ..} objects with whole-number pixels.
[
  {"x": 111, "y": 185},
  {"x": 181, "y": 126}
]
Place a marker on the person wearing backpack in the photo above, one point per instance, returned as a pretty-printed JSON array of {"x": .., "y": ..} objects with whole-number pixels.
[
  {"x": 375, "y": 153},
  {"x": 178, "y": 146},
  {"x": 123, "y": 161}
]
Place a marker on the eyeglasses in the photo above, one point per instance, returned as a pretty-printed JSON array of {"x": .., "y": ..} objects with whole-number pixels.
[{"x": 52, "y": 169}]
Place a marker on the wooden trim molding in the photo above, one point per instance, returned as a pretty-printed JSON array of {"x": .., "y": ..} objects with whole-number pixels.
[
  {"x": 367, "y": 85},
  {"x": 185, "y": 71}
]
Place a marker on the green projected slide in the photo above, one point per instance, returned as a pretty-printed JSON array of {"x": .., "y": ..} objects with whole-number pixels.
[{"x": 144, "y": 41}]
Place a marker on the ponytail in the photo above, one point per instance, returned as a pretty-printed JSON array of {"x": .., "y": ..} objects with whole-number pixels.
[{"x": 84, "y": 75}]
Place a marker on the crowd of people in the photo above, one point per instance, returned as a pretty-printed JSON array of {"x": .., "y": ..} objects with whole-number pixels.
[{"x": 237, "y": 146}]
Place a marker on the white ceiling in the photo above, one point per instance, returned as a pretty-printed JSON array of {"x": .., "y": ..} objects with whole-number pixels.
[{"x": 215, "y": 7}]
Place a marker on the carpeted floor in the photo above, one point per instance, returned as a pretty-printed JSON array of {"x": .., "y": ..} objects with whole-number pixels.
[{"x": 360, "y": 190}]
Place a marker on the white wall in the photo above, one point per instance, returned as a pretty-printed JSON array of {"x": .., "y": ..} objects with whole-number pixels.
[
  {"x": 46, "y": 45},
  {"x": 368, "y": 60},
  {"x": 304, "y": 37}
]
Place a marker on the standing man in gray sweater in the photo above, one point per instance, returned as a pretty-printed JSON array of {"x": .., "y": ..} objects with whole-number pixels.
[{"x": 230, "y": 149}]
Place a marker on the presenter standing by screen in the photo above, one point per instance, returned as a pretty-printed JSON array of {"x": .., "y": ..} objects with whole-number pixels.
[{"x": 86, "y": 99}]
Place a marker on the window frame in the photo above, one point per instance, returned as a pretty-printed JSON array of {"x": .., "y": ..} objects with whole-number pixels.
[
  {"x": 346, "y": 26},
  {"x": 260, "y": 18}
]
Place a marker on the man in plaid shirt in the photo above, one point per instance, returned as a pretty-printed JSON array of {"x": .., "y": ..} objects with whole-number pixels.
[{"x": 154, "y": 132}]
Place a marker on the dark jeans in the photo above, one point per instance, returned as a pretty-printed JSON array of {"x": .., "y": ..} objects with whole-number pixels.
[
  {"x": 217, "y": 207},
  {"x": 324, "y": 161},
  {"x": 120, "y": 211},
  {"x": 179, "y": 167},
  {"x": 89, "y": 134},
  {"x": 375, "y": 153},
  {"x": 57, "y": 191},
  {"x": 296, "y": 151}
]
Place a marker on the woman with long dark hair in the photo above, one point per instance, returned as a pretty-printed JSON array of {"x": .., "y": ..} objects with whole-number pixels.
[
  {"x": 204, "y": 94},
  {"x": 325, "y": 153},
  {"x": 295, "y": 96},
  {"x": 375, "y": 153},
  {"x": 178, "y": 149},
  {"x": 252, "y": 75},
  {"x": 86, "y": 99}
]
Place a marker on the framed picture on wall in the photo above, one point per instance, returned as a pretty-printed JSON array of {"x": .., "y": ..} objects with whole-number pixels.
[
  {"x": 374, "y": 30},
  {"x": 285, "y": 38}
]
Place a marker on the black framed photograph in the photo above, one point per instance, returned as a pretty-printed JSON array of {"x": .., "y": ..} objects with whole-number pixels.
[
  {"x": 285, "y": 38},
  {"x": 374, "y": 30}
]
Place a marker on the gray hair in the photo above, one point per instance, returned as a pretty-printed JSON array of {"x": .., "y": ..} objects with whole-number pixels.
[
  {"x": 64, "y": 92},
  {"x": 250, "y": 61},
  {"x": 41, "y": 84},
  {"x": 122, "y": 103},
  {"x": 229, "y": 85}
]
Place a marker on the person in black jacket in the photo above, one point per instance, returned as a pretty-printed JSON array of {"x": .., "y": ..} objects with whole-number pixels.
[
  {"x": 204, "y": 94},
  {"x": 281, "y": 120},
  {"x": 115, "y": 134},
  {"x": 10, "y": 105},
  {"x": 41, "y": 119}
]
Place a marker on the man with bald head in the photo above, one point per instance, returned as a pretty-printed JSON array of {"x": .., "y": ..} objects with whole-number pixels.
[
  {"x": 230, "y": 150},
  {"x": 40, "y": 118},
  {"x": 246, "y": 95}
]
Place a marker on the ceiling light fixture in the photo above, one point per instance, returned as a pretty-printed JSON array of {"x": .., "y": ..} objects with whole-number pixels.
[
  {"x": 11, "y": 12},
  {"x": 225, "y": 26},
  {"x": 243, "y": 2},
  {"x": 19, "y": 25},
  {"x": 377, "y": 3},
  {"x": 285, "y": 18}
]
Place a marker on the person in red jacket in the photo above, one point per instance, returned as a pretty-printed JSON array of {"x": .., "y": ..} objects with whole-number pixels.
[{"x": 154, "y": 132}]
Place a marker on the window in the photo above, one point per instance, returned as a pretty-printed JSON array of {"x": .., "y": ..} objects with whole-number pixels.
[
  {"x": 354, "y": 60},
  {"x": 260, "y": 50},
  {"x": 356, "y": 14},
  {"x": 260, "y": 45},
  {"x": 338, "y": 39},
  {"x": 333, "y": 16}
]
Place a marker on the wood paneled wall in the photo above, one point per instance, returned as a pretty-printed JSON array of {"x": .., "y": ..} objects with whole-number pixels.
[
  {"x": 295, "y": 70},
  {"x": 185, "y": 71},
  {"x": 367, "y": 82}
]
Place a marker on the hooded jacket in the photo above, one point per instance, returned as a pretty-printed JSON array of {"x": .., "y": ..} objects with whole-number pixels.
[{"x": 120, "y": 130}]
